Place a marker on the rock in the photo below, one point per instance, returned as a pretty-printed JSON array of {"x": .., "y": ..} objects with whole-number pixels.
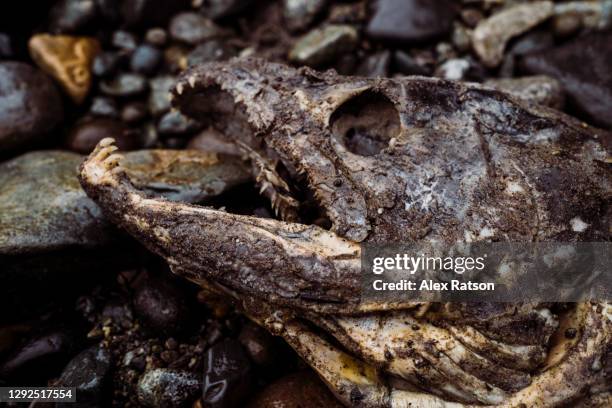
[
  {"x": 184, "y": 175},
  {"x": 175, "y": 123},
  {"x": 124, "y": 84},
  {"x": 88, "y": 373},
  {"x": 572, "y": 16},
  {"x": 69, "y": 16},
  {"x": 161, "y": 308},
  {"x": 539, "y": 89},
  {"x": 105, "y": 63},
  {"x": 410, "y": 21},
  {"x": 323, "y": 45},
  {"x": 212, "y": 141},
  {"x": 216, "y": 9},
  {"x": 6, "y": 48},
  {"x": 375, "y": 65},
  {"x": 298, "y": 390},
  {"x": 67, "y": 59},
  {"x": 124, "y": 40},
  {"x": 213, "y": 50},
  {"x": 145, "y": 59},
  {"x": 193, "y": 28},
  {"x": 461, "y": 37},
  {"x": 104, "y": 107},
  {"x": 454, "y": 69},
  {"x": 175, "y": 57},
  {"x": 39, "y": 356},
  {"x": 227, "y": 375},
  {"x": 258, "y": 343},
  {"x": 168, "y": 388},
  {"x": 159, "y": 97},
  {"x": 532, "y": 41},
  {"x": 299, "y": 14},
  {"x": 491, "y": 35},
  {"x": 86, "y": 134},
  {"x": 156, "y": 36},
  {"x": 407, "y": 65},
  {"x": 138, "y": 13},
  {"x": 58, "y": 214},
  {"x": 30, "y": 105},
  {"x": 583, "y": 67},
  {"x": 471, "y": 16},
  {"x": 134, "y": 112}
]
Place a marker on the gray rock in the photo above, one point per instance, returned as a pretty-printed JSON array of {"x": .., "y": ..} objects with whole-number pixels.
[
  {"x": 124, "y": 40},
  {"x": 159, "y": 97},
  {"x": 299, "y": 14},
  {"x": 193, "y": 28},
  {"x": 375, "y": 65},
  {"x": 323, "y": 45},
  {"x": 156, "y": 36},
  {"x": 213, "y": 50},
  {"x": 223, "y": 8},
  {"x": 104, "y": 107},
  {"x": 145, "y": 59},
  {"x": 454, "y": 69},
  {"x": 124, "y": 84},
  {"x": 175, "y": 123},
  {"x": 139, "y": 13},
  {"x": 228, "y": 375},
  {"x": 69, "y": 16},
  {"x": 539, "y": 89},
  {"x": 168, "y": 388},
  {"x": 105, "y": 63},
  {"x": 30, "y": 105}
]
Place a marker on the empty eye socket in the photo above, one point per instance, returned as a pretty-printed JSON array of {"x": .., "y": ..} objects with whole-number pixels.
[{"x": 366, "y": 123}]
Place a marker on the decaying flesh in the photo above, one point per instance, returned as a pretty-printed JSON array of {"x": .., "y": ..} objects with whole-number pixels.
[{"x": 388, "y": 160}]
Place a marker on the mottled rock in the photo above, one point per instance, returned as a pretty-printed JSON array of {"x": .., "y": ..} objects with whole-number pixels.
[
  {"x": 124, "y": 40},
  {"x": 124, "y": 84},
  {"x": 193, "y": 28},
  {"x": 299, "y": 14},
  {"x": 539, "y": 89},
  {"x": 583, "y": 67},
  {"x": 67, "y": 59},
  {"x": 410, "y": 21},
  {"x": 572, "y": 16},
  {"x": 491, "y": 35},
  {"x": 69, "y": 16},
  {"x": 212, "y": 141},
  {"x": 227, "y": 375},
  {"x": 30, "y": 105},
  {"x": 298, "y": 390},
  {"x": 84, "y": 136},
  {"x": 145, "y": 59},
  {"x": 159, "y": 97},
  {"x": 323, "y": 45},
  {"x": 168, "y": 388},
  {"x": 104, "y": 107},
  {"x": 213, "y": 50},
  {"x": 224, "y": 8},
  {"x": 161, "y": 308},
  {"x": 175, "y": 123},
  {"x": 88, "y": 372},
  {"x": 375, "y": 65}
]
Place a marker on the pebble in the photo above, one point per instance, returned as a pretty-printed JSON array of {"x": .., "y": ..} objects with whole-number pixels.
[
  {"x": 124, "y": 40},
  {"x": 454, "y": 69},
  {"x": 583, "y": 67},
  {"x": 85, "y": 135},
  {"x": 471, "y": 17},
  {"x": 375, "y": 65},
  {"x": 70, "y": 16},
  {"x": 258, "y": 343},
  {"x": 145, "y": 59},
  {"x": 175, "y": 123},
  {"x": 228, "y": 377},
  {"x": 88, "y": 373},
  {"x": 175, "y": 57},
  {"x": 104, "y": 106},
  {"x": 67, "y": 59},
  {"x": 572, "y": 16},
  {"x": 193, "y": 28},
  {"x": 156, "y": 36},
  {"x": 407, "y": 65},
  {"x": 410, "y": 21},
  {"x": 298, "y": 390},
  {"x": 124, "y": 84},
  {"x": 461, "y": 38},
  {"x": 168, "y": 388},
  {"x": 161, "y": 308},
  {"x": 134, "y": 112},
  {"x": 6, "y": 49},
  {"x": 300, "y": 14},
  {"x": 212, "y": 141},
  {"x": 539, "y": 89},
  {"x": 59, "y": 215},
  {"x": 217, "y": 9},
  {"x": 490, "y": 36},
  {"x": 105, "y": 63},
  {"x": 213, "y": 50},
  {"x": 30, "y": 105},
  {"x": 159, "y": 97},
  {"x": 139, "y": 13},
  {"x": 323, "y": 45}
]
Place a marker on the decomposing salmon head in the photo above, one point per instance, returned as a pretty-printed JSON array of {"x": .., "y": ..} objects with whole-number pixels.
[{"x": 381, "y": 161}]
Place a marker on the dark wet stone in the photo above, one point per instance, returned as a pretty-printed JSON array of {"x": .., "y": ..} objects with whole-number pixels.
[
  {"x": 407, "y": 65},
  {"x": 88, "y": 373},
  {"x": 104, "y": 107},
  {"x": 70, "y": 16},
  {"x": 300, "y": 14},
  {"x": 323, "y": 45},
  {"x": 6, "y": 49},
  {"x": 298, "y": 390},
  {"x": 134, "y": 112},
  {"x": 583, "y": 67},
  {"x": 228, "y": 375},
  {"x": 213, "y": 50},
  {"x": 258, "y": 343},
  {"x": 41, "y": 355},
  {"x": 212, "y": 141},
  {"x": 159, "y": 97},
  {"x": 108, "y": 9},
  {"x": 168, "y": 388},
  {"x": 161, "y": 308},
  {"x": 193, "y": 28},
  {"x": 224, "y": 8},
  {"x": 42, "y": 205},
  {"x": 375, "y": 65},
  {"x": 145, "y": 59},
  {"x": 410, "y": 21},
  {"x": 30, "y": 105},
  {"x": 124, "y": 84},
  {"x": 105, "y": 63},
  {"x": 124, "y": 40},
  {"x": 150, "y": 12},
  {"x": 175, "y": 123},
  {"x": 86, "y": 134},
  {"x": 156, "y": 36}
]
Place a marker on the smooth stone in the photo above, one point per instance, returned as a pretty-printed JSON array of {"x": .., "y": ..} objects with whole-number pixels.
[
  {"x": 168, "y": 388},
  {"x": 323, "y": 45},
  {"x": 104, "y": 106},
  {"x": 216, "y": 9},
  {"x": 67, "y": 59},
  {"x": 228, "y": 376},
  {"x": 134, "y": 112},
  {"x": 410, "y": 21},
  {"x": 86, "y": 134},
  {"x": 300, "y": 14},
  {"x": 105, "y": 63},
  {"x": 124, "y": 84},
  {"x": 88, "y": 373},
  {"x": 539, "y": 89},
  {"x": 156, "y": 36},
  {"x": 145, "y": 59},
  {"x": 6, "y": 48},
  {"x": 454, "y": 69},
  {"x": 583, "y": 67},
  {"x": 69, "y": 16},
  {"x": 193, "y": 28},
  {"x": 30, "y": 105},
  {"x": 162, "y": 308},
  {"x": 407, "y": 65},
  {"x": 175, "y": 123},
  {"x": 490, "y": 36},
  {"x": 213, "y": 50},
  {"x": 375, "y": 65},
  {"x": 212, "y": 141},
  {"x": 124, "y": 40},
  {"x": 159, "y": 97},
  {"x": 258, "y": 343},
  {"x": 297, "y": 390}
]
